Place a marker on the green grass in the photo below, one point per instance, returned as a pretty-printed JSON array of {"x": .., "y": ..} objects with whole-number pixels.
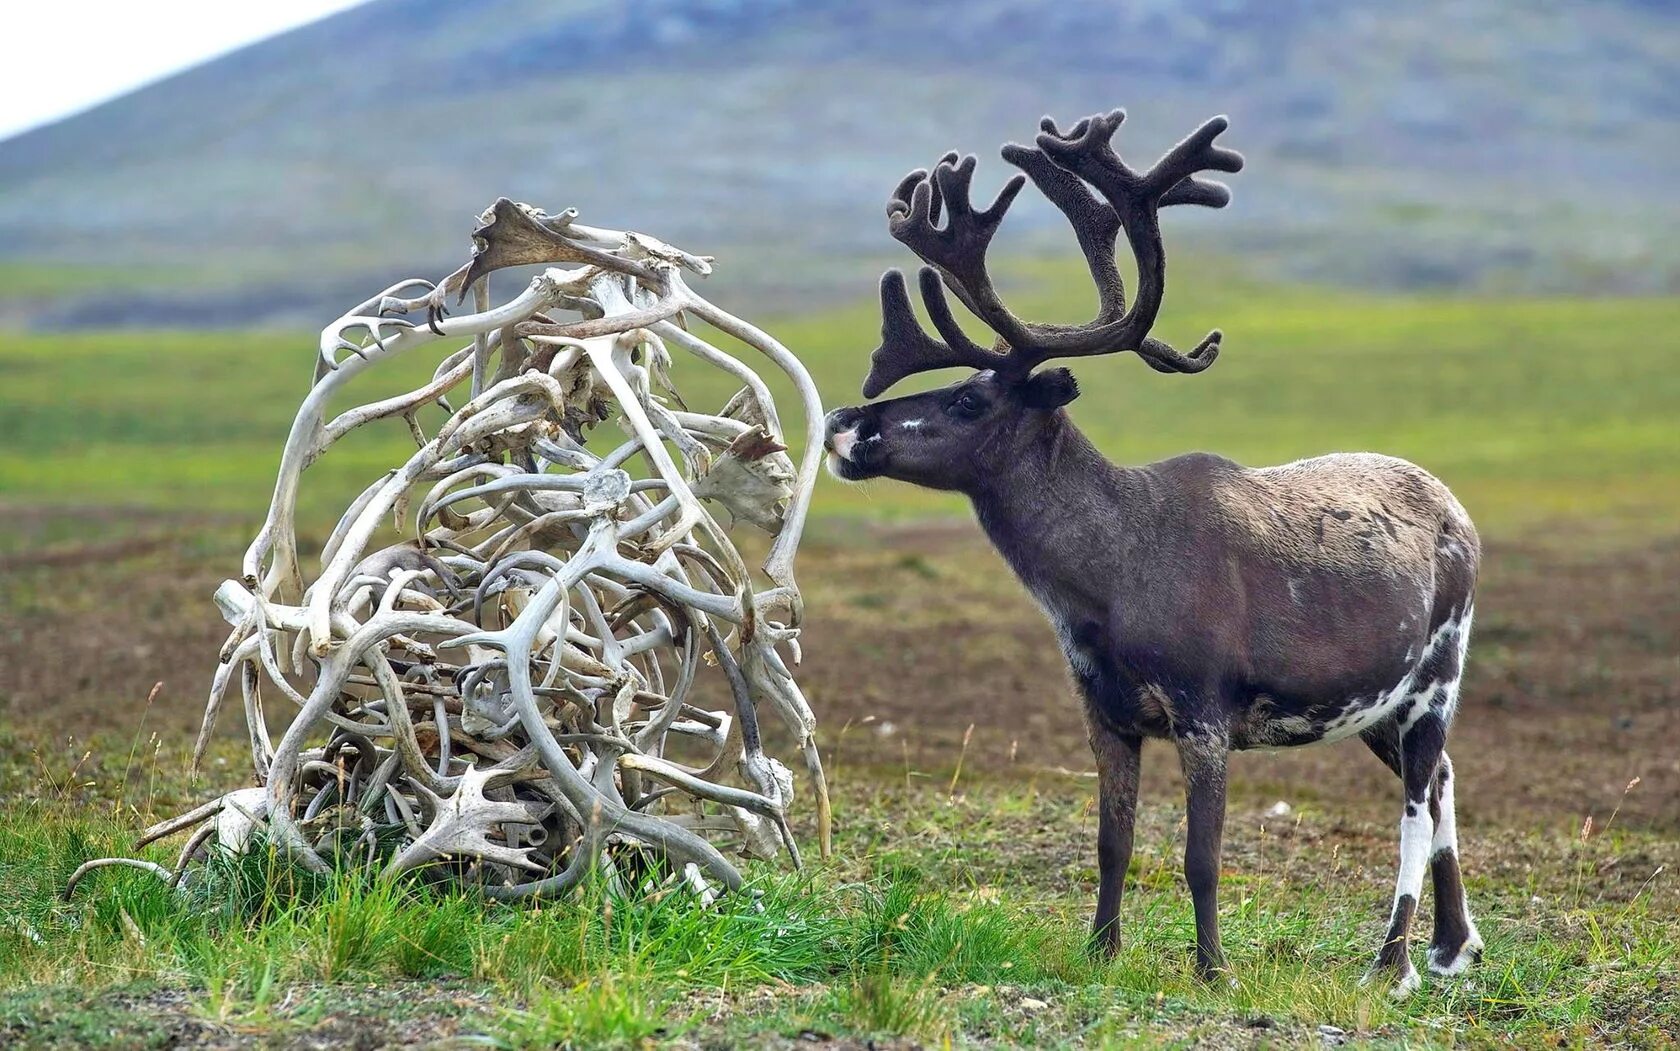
[
  {"x": 1534, "y": 411},
  {"x": 923, "y": 926},
  {"x": 943, "y": 918},
  {"x": 37, "y": 280}
]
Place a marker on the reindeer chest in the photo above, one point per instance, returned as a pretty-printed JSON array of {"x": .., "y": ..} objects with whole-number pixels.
[{"x": 1120, "y": 692}]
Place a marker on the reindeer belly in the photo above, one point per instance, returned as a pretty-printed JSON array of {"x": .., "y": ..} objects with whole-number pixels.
[
  {"x": 1426, "y": 681},
  {"x": 1272, "y": 722}
]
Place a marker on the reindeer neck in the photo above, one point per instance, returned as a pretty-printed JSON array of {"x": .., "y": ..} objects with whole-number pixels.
[{"x": 1057, "y": 501}]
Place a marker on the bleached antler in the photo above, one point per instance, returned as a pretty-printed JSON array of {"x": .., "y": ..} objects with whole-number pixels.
[{"x": 511, "y": 688}]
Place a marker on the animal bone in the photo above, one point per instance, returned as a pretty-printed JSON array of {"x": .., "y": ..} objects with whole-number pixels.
[
  {"x": 513, "y": 688},
  {"x": 461, "y": 827}
]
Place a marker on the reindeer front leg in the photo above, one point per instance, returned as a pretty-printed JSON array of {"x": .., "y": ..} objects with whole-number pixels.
[
  {"x": 1118, "y": 757},
  {"x": 1202, "y": 752}
]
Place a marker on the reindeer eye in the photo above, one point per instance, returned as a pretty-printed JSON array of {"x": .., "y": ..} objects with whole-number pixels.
[{"x": 968, "y": 405}]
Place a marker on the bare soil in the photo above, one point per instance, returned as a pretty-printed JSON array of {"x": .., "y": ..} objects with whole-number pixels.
[
  {"x": 917, "y": 633},
  {"x": 922, "y": 652}
]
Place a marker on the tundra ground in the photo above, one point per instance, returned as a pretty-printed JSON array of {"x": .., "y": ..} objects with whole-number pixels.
[
  {"x": 954, "y": 911},
  {"x": 988, "y": 870}
]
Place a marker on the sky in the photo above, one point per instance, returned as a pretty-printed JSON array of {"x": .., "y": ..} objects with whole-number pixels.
[{"x": 59, "y": 57}]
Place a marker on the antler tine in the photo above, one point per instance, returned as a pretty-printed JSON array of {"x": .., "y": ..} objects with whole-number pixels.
[
  {"x": 1095, "y": 224},
  {"x": 899, "y": 203},
  {"x": 957, "y": 249},
  {"x": 1086, "y": 151},
  {"x": 1161, "y": 356},
  {"x": 1172, "y": 179},
  {"x": 1086, "y": 148},
  {"x": 906, "y": 348}
]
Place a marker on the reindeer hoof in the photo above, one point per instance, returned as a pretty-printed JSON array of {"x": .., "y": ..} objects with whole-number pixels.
[
  {"x": 1449, "y": 962},
  {"x": 1406, "y": 982}
]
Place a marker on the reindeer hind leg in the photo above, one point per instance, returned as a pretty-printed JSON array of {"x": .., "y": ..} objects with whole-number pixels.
[
  {"x": 1455, "y": 944},
  {"x": 1422, "y": 740}
]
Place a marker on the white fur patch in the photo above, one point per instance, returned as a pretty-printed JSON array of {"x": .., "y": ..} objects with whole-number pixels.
[
  {"x": 1415, "y": 834},
  {"x": 911, "y": 425},
  {"x": 843, "y": 443},
  {"x": 1352, "y": 722},
  {"x": 1460, "y": 963},
  {"x": 1446, "y": 831}
]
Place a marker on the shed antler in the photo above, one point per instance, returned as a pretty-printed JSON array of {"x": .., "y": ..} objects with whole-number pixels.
[{"x": 1066, "y": 167}]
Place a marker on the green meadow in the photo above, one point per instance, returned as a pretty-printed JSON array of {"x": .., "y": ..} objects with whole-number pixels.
[
  {"x": 953, "y": 912},
  {"x": 1533, "y": 410}
]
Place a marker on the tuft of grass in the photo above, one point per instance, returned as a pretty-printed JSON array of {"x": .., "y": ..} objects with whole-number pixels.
[
  {"x": 878, "y": 1002},
  {"x": 611, "y": 1013}
]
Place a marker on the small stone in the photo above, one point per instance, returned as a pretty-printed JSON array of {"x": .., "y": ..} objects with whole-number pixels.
[
  {"x": 1029, "y": 1003},
  {"x": 1280, "y": 809},
  {"x": 1333, "y": 1036}
]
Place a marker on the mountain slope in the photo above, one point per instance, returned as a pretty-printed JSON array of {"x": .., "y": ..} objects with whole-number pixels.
[{"x": 1448, "y": 142}]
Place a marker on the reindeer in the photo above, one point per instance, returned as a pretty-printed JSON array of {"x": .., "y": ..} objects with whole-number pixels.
[{"x": 1212, "y": 605}]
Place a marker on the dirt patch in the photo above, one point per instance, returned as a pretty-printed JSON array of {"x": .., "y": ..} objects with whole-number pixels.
[
  {"x": 917, "y": 633},
  {"x": 399, "y": 1015}
]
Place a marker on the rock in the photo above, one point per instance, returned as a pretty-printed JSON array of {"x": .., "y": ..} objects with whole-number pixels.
[
  {"x": 1333, "y": 1036},
  {"x": 1029, "y": 1003},
  {"x": 1280, "y": 809}
]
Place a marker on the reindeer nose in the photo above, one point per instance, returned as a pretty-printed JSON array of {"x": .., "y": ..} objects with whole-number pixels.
[{"x": 841, "y": 429}]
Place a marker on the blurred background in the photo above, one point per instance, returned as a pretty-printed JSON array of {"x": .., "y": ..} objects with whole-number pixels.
[
  {"x": 1455, "y": 145},
  {"x": 1457, "y": 240}
]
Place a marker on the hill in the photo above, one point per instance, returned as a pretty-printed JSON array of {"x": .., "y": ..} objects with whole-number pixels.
[{"x": 1446, "y": 143}]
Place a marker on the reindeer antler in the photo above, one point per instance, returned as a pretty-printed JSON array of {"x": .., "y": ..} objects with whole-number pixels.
[{"x": 1060, "y": 165}]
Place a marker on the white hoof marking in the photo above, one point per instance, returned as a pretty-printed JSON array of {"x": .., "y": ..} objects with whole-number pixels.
[
  {"x": 1460, "y": 961},
  {"x": 1405, "y": 985}
]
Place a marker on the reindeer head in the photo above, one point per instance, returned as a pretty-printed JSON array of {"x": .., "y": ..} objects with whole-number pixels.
[{"x": 952, "y": 437}]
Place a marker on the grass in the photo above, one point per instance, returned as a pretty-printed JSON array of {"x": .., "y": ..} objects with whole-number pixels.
[
  {"x": 930, "y": 931},
  {"x": 24, "y": 281},
  {"x": 947, "y": 916},
  {"x": 1535, "y": 411}
]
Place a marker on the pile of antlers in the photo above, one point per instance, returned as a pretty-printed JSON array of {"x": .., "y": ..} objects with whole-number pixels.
[{"x": 507, "y": 690}]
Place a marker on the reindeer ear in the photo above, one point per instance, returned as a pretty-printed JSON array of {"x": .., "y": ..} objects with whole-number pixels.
[{"x": 1051, "y": 389}]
